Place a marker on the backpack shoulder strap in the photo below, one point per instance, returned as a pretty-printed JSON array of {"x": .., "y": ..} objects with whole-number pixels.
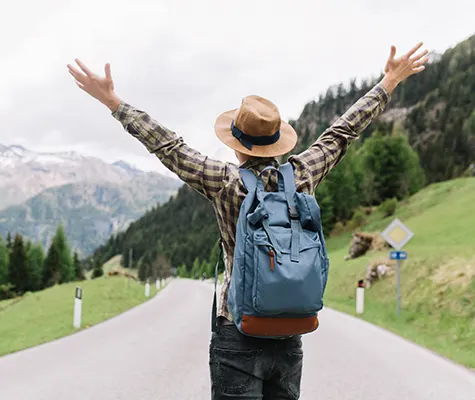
[
  {"x": 287, "y": 172},
  {"x": 248, "y": 178}
]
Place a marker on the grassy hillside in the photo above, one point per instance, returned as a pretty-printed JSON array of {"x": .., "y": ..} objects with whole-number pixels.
[
  {"x": 114, "y": 264},
  {"x": 438, "y": 279},
  {"x": 50, "y": 312}
]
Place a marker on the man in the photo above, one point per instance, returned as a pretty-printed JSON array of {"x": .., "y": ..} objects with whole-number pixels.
[{"x": 242, "y": 366}]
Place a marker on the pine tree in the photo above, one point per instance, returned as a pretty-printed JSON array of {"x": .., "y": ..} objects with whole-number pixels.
[
  {"x": 66, "y": 262},
  {"x": 182, "y": 271},
  {"x": 393, "y": 165},
  {"x": 325, "y": 202},
  {"x": 52, "y": 266},
  {"x": 204, "y": 269},
  {"x": 160, "y": 267},
  {"x": 215, "y": 254},
  {"x": 3, "y": 262},
  {"x": 97, "y": 270},
  {"x": 18, "y": 265},
  {"x": 195, "y": 270},
  {"x": 341, "y": 188},
  {"x": 78, "y": 270},
  {"x": 211, "y": 271},
  {"x": 35, "y": 267},
  {"x": 144, "y": 271},
  {"x": 9, "y": 241},
  {"x": 28, "y": 245}
]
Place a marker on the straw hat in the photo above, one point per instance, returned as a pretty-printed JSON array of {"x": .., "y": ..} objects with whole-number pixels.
[{"x": 256, "y": 129}]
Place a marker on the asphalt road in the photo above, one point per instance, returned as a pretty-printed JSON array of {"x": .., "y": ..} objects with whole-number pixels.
[{"x": 159, "y": 350}]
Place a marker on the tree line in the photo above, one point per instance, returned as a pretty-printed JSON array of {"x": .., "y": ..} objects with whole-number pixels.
[
  {"x": 202, "y": 269},
  {"x": 436, "y": 109},
  {"x": 26, "y": 267},
  {"x": 182, "y": 231},
  {"x": 382, "y": 168}
]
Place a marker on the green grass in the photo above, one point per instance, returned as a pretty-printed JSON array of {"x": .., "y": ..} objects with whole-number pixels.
[
  {"x": 43, "y": 316},
  {"x": 438, "y": 279},
  {"x": 112, "y": 265}
]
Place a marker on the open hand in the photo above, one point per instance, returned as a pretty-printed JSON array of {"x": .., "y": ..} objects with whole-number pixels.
[
  {"x": 101, "y": 88},
  {"x": 398, "y": 69}
]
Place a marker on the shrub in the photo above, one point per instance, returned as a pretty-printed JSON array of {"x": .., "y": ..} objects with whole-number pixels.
[
  {"x": 7, "y": 292},
  {"x": 389, "y": 206},
  {"x": 368, "y": 210},
  {"x": 338, "y": 229},
  {"x": 97, "y": 271},
  {"x": 358, "y": 219}
]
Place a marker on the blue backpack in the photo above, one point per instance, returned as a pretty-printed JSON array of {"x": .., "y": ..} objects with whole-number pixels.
[{"x": 280, "y": 264}]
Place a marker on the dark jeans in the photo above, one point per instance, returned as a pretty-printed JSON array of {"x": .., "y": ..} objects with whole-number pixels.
[{"x": 249, "y": 368}]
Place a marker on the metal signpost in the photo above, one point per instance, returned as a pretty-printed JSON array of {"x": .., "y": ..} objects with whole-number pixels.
[{"x": 397, "y": 235}]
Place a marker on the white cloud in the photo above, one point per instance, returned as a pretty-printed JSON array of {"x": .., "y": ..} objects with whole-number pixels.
[{"x": 186, "y": 61}]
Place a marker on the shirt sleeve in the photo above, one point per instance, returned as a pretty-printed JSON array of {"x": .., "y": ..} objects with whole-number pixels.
[
  {"x": 312, "y": 165},
  {"x": 198, "y": 171}
]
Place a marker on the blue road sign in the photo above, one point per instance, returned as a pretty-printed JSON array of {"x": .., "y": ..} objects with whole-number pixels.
[{"x": 398, "y": 255}]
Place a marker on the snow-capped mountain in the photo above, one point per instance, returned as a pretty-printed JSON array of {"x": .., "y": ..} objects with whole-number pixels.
[
  {"x": 25, "y": 173},
  {"x": 91, "y": 198},
  {"x": 13, "y": 156}
]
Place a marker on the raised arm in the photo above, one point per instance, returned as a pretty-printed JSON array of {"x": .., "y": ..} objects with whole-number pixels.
[
  {"x": 314, "y": 163},
  {"x": 198, "y": 171}
]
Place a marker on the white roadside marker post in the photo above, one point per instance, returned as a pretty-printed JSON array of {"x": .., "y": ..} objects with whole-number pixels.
[
  {"x": 147, "y": 289},
  {"x": 77, "y": 308},
  {"x": 157, "y": 284},
  {"x": 360, "y": 297}
]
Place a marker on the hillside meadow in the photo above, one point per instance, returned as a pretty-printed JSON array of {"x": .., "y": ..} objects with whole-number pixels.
[
  {"x": 437, "y": 280},
  {"x": 40, "y": 317}
]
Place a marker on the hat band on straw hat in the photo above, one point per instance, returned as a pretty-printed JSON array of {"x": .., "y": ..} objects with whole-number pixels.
[{"x": 248, "y": 141}]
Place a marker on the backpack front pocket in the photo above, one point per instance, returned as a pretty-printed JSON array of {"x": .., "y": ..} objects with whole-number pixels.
[{"x": 287, "y": 287}]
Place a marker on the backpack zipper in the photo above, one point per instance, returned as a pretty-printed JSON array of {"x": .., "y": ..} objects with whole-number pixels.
[{"x": 272, "y": 261}]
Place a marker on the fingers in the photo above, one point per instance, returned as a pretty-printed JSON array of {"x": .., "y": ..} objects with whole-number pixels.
[
  {"x": 80, "y": 85},
  {"x": 85, "y": 69},
  {"x": 78, "y": 76},
  {"x": 392, "y": 53},
  {"x": 414, "y": 49},
  {"x": 418, "y": 56},
  {"x": 420, "y": 62},
  {"x": 417, "y": 70},
  {"x": 108, "y": 71}
]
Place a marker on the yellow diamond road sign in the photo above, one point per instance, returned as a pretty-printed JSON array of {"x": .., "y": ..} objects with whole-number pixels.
[{"x": 397, "y": 234}]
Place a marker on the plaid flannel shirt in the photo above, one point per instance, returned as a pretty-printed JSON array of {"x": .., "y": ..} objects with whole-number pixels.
[{"x": 219, "y": 181}]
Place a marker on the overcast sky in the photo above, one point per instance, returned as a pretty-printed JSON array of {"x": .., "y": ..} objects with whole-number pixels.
[{"x": 185, "y": 61}]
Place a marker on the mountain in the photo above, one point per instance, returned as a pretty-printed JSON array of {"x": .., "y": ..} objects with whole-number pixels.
[
  {"x": 436, "y": 108},
  {"x": 183, "y": 229},
  {"x": 430, "y": 120},
  {"x": 25, "y": 173},
  {"x": 93, "y": 199}
]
